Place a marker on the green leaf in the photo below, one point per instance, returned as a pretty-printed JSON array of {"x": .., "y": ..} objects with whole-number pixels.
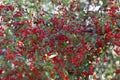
[{"x": 65, "y": 71}]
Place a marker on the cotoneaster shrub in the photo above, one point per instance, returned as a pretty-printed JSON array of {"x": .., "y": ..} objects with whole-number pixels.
[{"x": 58, "y": 40}]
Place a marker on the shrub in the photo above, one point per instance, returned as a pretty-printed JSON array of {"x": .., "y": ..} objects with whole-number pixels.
[{"x": 59, "y": 40}]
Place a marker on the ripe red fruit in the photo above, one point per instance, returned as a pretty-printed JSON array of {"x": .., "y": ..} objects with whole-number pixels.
[
  {"x": 18, "y": 14},
  {"x": 10, "y": 7}
]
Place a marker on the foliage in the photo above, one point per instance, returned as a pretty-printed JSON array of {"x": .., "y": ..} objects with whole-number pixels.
[{"x": 59, "y": 40}]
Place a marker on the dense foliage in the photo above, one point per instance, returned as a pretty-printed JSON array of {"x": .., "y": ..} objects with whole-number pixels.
[{"x": 59, "y": 40}]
